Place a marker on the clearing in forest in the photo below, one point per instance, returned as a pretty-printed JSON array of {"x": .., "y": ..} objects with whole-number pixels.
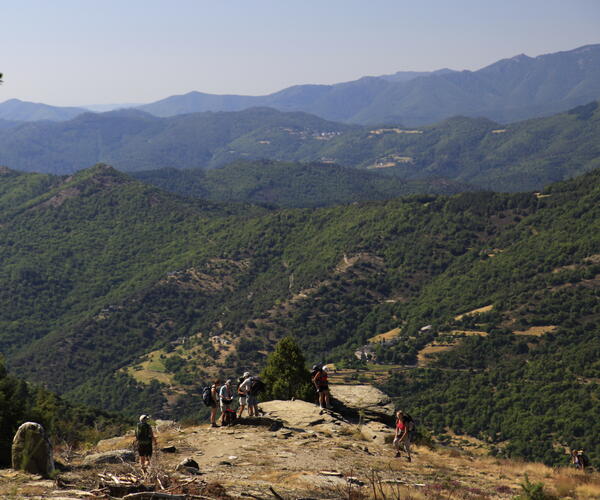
[
  {"x": 425, "y": 355},
  {"x": 474, "y": 312},
  {"x": 537, "y": 331},
  {"x": 393, "y": 333}
]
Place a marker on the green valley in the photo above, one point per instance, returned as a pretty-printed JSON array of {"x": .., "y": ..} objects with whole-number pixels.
[{"x": 125, "y": 297}]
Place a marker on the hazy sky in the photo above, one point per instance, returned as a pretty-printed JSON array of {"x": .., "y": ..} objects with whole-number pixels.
[{"x": 76, "y": 52}]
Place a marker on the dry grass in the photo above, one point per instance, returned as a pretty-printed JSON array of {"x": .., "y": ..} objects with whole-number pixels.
[
  {"x": 469, "y": 333},
  {"x": 425, "y": 355},
  {"x": 151, "y": 369},
  {"x": 537, "y": 331},
  {"x": 385, "y": 336},
  {"x": 474, "y": 312},
  {"x": 575, "y": 484}
]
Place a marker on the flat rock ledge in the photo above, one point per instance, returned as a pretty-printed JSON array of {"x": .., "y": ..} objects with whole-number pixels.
[
  {"x": 110, "y": 457},
  {"x": 366, "y": 401}
]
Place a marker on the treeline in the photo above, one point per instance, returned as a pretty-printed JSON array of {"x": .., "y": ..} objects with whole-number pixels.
[{"x": 65, "y": 423}]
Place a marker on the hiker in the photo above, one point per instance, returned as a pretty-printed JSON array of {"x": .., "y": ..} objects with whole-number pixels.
[
  {"x": 252, "y": 387},
  {"x": 214, "y": 398},
  {"x": 322, "y": 386},
  {"x": 242, "y": 394},
  {"x": 145, "y": 439},
  {"x": 225, "y": 398},
  {"x": 579, "y": 459},
  {"x": 404, "y": 428}
]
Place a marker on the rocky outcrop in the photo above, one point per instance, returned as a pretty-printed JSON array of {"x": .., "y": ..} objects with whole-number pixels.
[
  {"x": 32, "y": 451},
  {"x": 298, "y": 413},
  {"x": 110, "y": 457},
  {"x": 376, "y": 432},
  {"x": 364, "y": 401}
]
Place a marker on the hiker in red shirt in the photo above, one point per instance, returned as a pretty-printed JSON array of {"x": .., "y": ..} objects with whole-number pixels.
[
  {"x": 402, "y": 437},
  {"x": 322, "y": 386}
]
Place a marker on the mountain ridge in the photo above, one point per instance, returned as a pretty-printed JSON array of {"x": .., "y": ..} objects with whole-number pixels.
[
  {"x": 470, "y": 151},
  {"x": 423, "y": 98},
  {"x": 510, "y": 89}
]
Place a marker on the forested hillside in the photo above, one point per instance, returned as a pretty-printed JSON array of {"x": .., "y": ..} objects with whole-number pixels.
[
  {"x": 291, "y": 185},
  {"x": 123, "y": 296},
  {"x": 521, "y": 156}
]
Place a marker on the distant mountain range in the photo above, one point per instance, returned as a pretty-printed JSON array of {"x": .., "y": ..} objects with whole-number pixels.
[
  {"x": 16, "y": 110},
  {"x": 474, "y": 151},
  {"x": 508, "y": 90}
]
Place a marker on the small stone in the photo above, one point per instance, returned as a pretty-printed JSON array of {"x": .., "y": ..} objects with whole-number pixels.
[{"x": 188, "y": 466}]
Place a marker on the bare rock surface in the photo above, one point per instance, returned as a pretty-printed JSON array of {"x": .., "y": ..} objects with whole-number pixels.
[
  {"x": 298, "y": 413},
  {"x": 110, "y": 457},
  {"x": 363, "y": 400}
]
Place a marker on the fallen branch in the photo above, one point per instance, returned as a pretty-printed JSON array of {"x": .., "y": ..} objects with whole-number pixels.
[
  {"x": 152, "y": 495},
  {"x": 252, "y": 496},
  {"x": 275, "y": 494},
  {"x": 179, "y": 485}
]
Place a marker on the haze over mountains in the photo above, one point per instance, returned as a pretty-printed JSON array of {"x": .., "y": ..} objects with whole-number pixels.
[{"x": 508, "y": 90}]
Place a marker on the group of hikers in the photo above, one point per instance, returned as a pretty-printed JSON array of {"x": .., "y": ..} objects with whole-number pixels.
[{"x": 222, "y": 396}]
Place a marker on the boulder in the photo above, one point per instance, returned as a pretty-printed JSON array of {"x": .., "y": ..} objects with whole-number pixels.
[
  {"x": 32, "y": 451},
  {"x": 110, "y": 457},
  {"x": 165, "y": 425},
  {"x": 299, "y": 414},
  {"x": 376, "y": 432},
  {"x": 366, "y": 401},
  {"x": 188, "y": 466}
]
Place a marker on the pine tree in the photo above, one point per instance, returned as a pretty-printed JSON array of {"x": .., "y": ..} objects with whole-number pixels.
[{"x": 285, "y": 374}]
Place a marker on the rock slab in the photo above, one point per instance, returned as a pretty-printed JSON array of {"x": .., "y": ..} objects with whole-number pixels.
[
  {"x": 363, "y": 400},
  {"x": 32, "y": 451},
  {"x": 110, "y": 457}
]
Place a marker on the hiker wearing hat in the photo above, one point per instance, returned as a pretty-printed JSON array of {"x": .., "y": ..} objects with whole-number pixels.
[
  {"x": 144, "y": 439},
  {"x": 226, "y": 398},
  {"x": 252, "y": 386},
  {"x": 243, "y": 393}
]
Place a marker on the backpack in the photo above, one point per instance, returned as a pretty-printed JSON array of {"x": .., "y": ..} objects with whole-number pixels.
[
  {"x": 409, "y": 422},
  {"x": 256, "y": 386},
  {"x": 583, "y": 460},
  {"x": 229, "y": 417},
  {"x": 207, "y": 396},
  {"x": 143, "y": 433}
]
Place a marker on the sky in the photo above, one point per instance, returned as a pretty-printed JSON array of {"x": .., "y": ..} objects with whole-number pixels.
[{"x": 84, "y": 52}]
